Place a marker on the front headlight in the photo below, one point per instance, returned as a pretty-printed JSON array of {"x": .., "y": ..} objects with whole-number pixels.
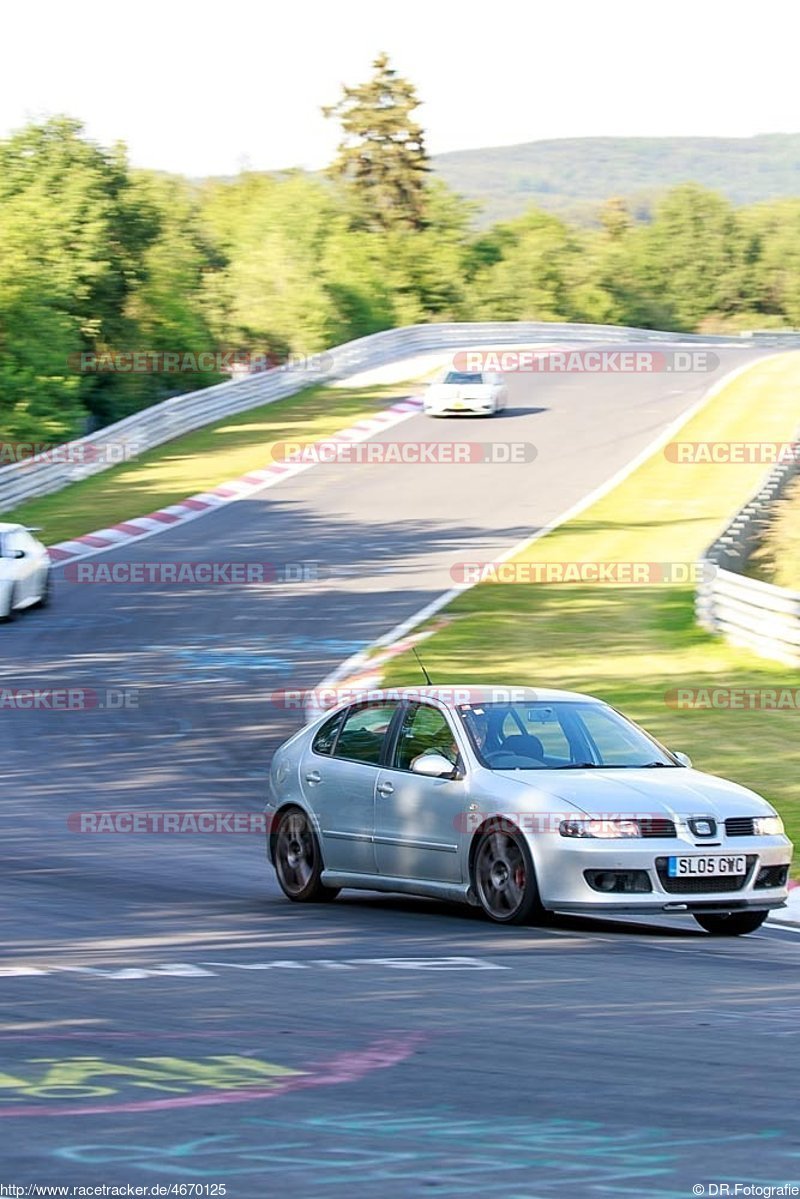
[
  {"x": 767, "y": 826},
  {"x": 599, "y": 828}
]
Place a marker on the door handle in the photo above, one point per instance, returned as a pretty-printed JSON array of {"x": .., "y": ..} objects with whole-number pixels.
[
  {"x": 385, "y": 789},
  {"x": 313, "y": 776}
]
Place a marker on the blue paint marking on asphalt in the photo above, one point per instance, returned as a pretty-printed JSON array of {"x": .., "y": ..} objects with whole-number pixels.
[
  {"x": 460, "y": 1156},
  {"x": 213, "y": 654}
]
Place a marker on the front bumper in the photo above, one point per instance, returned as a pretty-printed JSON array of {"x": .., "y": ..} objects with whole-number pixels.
[
  {"x": 468, "y": 407},
  {"x": 562, "y": 865}
]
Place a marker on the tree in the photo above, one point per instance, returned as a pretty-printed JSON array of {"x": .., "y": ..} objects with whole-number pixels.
[
  {"x": 273, "y": 233},
  {"x": 168, "y": 304},
  {"x": 774, "y": 251},
  {"x": 529, "y": 281},
  {"x": 72, "y": 245},
  {"x": 382, "y": 159},
  {"x": 694, "y": 256}
]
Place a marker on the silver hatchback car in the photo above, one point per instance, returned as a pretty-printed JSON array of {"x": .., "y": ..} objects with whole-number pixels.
[{"x": 521, "y": 801}]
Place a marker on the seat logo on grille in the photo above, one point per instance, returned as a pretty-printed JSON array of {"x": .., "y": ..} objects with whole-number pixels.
[{"x": 703, "y": 827}]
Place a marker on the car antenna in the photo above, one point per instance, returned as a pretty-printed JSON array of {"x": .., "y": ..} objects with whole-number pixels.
[{"x": 422, "y": 667}]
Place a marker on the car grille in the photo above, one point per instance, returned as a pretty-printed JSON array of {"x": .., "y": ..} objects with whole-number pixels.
[
  {"x": 739, "y": 826},
  {"x": 654, "y": 827},
  {"x": 698, "y": 886}
]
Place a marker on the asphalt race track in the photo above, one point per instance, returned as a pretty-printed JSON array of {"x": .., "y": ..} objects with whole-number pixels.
[{"x": 169, "y": 1018}]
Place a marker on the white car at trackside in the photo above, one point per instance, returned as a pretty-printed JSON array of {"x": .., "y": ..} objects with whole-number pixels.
[
  {"x": 24, "y": 570},
  {"x": 466, "y": 393}
]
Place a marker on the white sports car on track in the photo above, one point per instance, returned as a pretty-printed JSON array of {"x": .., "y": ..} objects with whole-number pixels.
[
  {"x": 24, "y": 570},
  {"x": 466, "y": 393},
  {"x": 522, "y": 802}
]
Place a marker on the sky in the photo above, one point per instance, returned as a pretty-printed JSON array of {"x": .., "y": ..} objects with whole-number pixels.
[{"x": 209, "y": 88}]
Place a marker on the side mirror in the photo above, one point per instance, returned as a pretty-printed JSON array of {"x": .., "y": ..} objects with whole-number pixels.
[
  {"x": 433, "y": 765},
  {"x": 683, "y": 758}
]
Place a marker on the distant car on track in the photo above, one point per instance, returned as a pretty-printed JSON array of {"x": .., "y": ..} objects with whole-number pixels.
[
  {"x": 521, "y": 801},
  {"x": 466, "y": 393},
  {"x": 24, "y": 570}
]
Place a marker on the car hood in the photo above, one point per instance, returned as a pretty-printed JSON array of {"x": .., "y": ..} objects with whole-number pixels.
[
  {"x": 455, "y": 391},
  {"x": 676, "y": 792}
]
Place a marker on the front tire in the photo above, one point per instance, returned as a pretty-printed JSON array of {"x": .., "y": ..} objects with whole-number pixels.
[
  {"x": 504, "y": 881},
  {"x": 298, "y": 860},
  {"x": 731, "y": 924},
  {"x": 47, "y": 593}
]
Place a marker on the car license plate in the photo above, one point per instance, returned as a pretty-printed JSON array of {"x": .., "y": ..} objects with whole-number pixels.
[
  {"x": 710, "y": 867},
  {"x": 458, "y": 405}
]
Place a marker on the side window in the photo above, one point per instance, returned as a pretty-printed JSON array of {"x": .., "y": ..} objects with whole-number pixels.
[
  {"x": 424, "y": 730},
  {"x": 363, "y": 732},
  {"x": 326, "y": 736}
]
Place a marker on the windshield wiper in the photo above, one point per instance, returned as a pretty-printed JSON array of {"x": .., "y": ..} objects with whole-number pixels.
[
  {"x": 647, "y": 765},
  {"x": 611, "y": 766}
]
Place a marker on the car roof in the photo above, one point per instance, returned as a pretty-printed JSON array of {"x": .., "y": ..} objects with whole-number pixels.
[
  {"x": 455, "y": 694},
  {"x": 5, "y": 527}
]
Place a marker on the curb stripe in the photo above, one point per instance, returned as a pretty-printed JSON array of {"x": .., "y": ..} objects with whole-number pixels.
[{"x": 138, "y": 528}]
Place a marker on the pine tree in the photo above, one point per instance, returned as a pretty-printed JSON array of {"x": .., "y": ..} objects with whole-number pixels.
[{"x": 382, "y": 159}]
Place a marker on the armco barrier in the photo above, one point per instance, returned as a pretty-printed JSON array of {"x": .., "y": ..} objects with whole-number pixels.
[
  {"x": 181, "y": 414},
  {"x": 749, "y": 612}
]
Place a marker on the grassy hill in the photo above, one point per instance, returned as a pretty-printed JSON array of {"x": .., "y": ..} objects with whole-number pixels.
[{"x": 573, "y": 176}]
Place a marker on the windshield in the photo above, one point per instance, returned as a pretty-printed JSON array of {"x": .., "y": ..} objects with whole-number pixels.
[
  {"x": 563, "y": 735},
  {"x": 462, "y": 377}
]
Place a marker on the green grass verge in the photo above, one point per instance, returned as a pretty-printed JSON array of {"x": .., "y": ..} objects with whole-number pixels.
[
  {"x": 632, "y": 646},
  {"x": 200, "y": 460}
]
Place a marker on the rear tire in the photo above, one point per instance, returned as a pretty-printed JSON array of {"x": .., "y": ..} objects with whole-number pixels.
[
  {"x": 504, "y": 880},
  {"x": 298, "y": 860},
  {"x": 11, "y": 611},
  {"x": 731, "y": 924}
]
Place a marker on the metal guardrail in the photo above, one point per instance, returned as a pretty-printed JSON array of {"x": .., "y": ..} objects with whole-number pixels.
[
  {"x": 749, "y": 612},
  {"x": 173, "y": 417}
]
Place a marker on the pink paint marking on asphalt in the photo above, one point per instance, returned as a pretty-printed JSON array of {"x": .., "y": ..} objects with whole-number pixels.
[{"x": 344, "y": 1067}]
